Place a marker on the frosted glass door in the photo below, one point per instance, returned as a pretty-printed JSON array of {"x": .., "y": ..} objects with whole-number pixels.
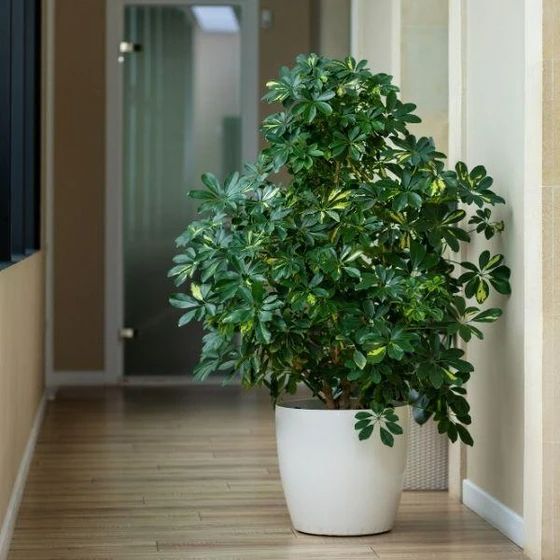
[{"x": 181, "y": 117}]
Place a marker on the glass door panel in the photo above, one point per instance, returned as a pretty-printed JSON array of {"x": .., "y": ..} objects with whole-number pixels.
[{"x": 181, "y": 117}]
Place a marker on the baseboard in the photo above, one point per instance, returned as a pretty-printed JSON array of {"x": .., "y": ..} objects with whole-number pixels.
[
  {"x": 78, "y": 378},
  {"x": 99, "y": 378},
  {"x": 497, "y": 514},
  {"x": 19, "y": 483},
  {"x": 175, "y": 380}
]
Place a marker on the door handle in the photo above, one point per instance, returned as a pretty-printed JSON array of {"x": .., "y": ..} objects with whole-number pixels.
[
  {"x": 127, "y": 333},
  {"x": 126, "y": 47}
]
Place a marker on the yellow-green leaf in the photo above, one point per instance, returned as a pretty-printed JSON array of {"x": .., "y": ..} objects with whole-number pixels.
[
  {"x": 359, "y": 359},
  {"x": 376, "y": 355},
  {"x": 437, "y": 186},
  {"x": 482, "y": 291},
  {"x": 195, "y": 291}
]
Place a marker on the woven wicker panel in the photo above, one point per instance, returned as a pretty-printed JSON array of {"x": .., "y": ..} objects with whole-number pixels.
[{"x": 427, "y": 458}]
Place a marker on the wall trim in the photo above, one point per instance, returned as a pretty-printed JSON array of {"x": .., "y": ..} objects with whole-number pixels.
[
  {"x": 457, "y": 465},
  {"x": 534, "y": 469},
  {"x": 48, "y": 60},
  {"x": 99, "y": 378},
  {"x": 19, "y": 484},
  {"x": 507, "y": 521},
  {"x": 175, "y": 381},
  {"x": 79, "y": 378}
]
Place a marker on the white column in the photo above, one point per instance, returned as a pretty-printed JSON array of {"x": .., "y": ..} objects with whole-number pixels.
[{"x": 376, "y": 34}]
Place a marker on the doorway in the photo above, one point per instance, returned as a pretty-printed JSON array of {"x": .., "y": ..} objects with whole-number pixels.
[{"x": 183, "y": 100}]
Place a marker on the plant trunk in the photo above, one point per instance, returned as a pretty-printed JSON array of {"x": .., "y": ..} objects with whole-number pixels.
[
  {"x": 345, "y": 398},
  {"x": 329, "y": 398}
]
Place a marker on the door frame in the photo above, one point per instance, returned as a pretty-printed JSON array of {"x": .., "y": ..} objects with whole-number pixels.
[{"x": 114, "y": 269}]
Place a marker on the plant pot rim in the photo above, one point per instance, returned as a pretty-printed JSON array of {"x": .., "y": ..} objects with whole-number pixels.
[{"x": 317, "y": 407}]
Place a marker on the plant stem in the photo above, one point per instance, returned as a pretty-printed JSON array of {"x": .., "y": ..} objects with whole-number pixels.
[
  {"x": 329, "y": 398},
  {"x": 316, "y": 392},
  {"x": 345, "y": 402},
  {"x": 335, "y": 355}
]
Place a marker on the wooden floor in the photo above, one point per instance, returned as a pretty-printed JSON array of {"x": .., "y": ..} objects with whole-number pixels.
[{"x": 191, "y": 474}]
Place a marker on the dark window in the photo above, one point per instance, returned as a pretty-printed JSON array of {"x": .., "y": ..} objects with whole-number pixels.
[{"x": 20, "y": 101}]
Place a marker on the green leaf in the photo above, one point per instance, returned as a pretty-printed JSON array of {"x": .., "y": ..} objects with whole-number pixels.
[
  {"x": 362, "y": 424},
  {"x": 376, "y": 355},
  {"x": 196, "y": 291},
  {"x": 359, "y": 359},
  {"x": 187, "y": 317},
  {"x": 452, "y": 431},
  {"x": 436, "y": 377},
  {"x": 365, "y": 433},
  {"x": 500, "y": 285},
  {"x": 394, "y": 428},
  {"x": 464, "y": 434},
  {"x": 483, "y": 259},
  {"x": 494, "y": 262},
  {"x": 488, "y": 316},
  {"x": 386, "y": 437},
  {"x": 183, "y": 301},
  {"x": 482, "y": 291},
  {"x": 351, "y": 271},
  {"x": 395, "y": 351},
  {"x": 238, "y": 316},
  {"x": 263, "y": 333}
]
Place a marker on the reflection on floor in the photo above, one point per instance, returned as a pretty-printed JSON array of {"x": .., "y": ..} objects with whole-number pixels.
[{"x": 191, "y": 473}]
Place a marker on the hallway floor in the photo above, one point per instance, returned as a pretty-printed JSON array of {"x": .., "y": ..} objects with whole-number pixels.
[{"x": 190, "y": 473}]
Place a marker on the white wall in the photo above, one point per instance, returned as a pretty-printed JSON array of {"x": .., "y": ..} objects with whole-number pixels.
[
  {"x": 494, "y": 136},
  {"x": 216, "y": 80},
  {"x": 376, "y": 34},
  {"x": 408, "y": 39},
  {"x": 334, "y": 28},
  {"x": 502, "y": 97},
  {"x": 424, "y": 66}
]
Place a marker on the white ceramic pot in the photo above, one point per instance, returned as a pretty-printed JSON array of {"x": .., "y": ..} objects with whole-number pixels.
[{"x": 334, "y": 483}]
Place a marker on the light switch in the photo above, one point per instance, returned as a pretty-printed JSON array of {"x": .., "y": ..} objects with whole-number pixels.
[{"x": 266, "y": 19}]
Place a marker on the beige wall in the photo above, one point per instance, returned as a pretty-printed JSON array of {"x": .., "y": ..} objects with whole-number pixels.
[
  {"x": 551, "y": 279},
  {"x": 21, "y": 363},
  {"x": 376, "y": 36},
  {"x": 79, "y": 183},
  {"x": 424, "y": 71},
  {"x": 216, "y": 96},
  {"x": 551, "y": 92},
  {"x": 22, "y": 335},
  {"x": 280, "y": 43},
  {"x": 300, "y": 26},
  {"x": 334, "y": 28}
]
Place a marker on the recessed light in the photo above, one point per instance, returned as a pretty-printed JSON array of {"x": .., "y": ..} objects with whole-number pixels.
[{"x": 216, "y": 19}]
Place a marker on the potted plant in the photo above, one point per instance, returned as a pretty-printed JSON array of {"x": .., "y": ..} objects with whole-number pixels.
[{"x": 346, "y": 280}]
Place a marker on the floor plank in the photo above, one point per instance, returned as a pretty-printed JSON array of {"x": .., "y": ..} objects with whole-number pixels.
[{"x": 191, "y": 473}]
